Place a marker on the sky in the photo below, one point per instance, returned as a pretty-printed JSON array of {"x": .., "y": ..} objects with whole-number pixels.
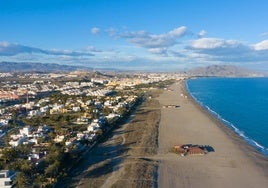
[{"x": 161, "y": 35}]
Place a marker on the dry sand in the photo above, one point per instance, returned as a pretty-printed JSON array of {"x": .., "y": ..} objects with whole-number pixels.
[
  {"x": 233, "y": 164},
  {"x": 125, "y": 157}
]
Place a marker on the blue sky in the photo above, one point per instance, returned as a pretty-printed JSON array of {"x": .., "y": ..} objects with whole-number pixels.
[{"x": 135, "y": 34}]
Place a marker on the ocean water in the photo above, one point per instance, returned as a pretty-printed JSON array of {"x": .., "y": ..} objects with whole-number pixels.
[{"x": 241, "y": 103}]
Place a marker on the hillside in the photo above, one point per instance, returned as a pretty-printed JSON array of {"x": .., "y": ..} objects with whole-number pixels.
[
  {"x": 223, "y": 71},
  {"x": 37, "y": 67}
]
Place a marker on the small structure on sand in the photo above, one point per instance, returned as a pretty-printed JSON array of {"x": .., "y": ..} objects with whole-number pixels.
[
  {"x": 189, "y": 149},
  {"x": 171, "y": 106}
]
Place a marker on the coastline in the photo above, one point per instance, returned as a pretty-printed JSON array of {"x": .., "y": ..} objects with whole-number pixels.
[
  {"x": 230, "y": 127},
  {"x": 233, "y": 164},
  {"x": 240, "y": 141}
]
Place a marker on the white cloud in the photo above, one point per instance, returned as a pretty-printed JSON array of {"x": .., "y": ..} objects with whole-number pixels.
[
  {"x": 208, "y": 43},
  {"x": 95, "y": 30},
  {"x": 170, "y": 46},
  {"x": 178, "y": 32},
  {"x": 265, "y": 34},
  {"x": 93, "y": 49},
  {"x": 148, "y": 50},
  {"x": 263, "y": 45},
  {"x": 7, "y": 49},
  {"x": 155, "y": 43},
  {"x": 112, "y": 32},
  {"x": 228, "y": 51},
  {"x": 160, "y": 51},
  {"x": 3, "y": 44},
  {"x": 202, "y": 33}
]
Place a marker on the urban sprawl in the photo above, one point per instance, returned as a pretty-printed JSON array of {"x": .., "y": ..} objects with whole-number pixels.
[{"x": 48, "y": 120}]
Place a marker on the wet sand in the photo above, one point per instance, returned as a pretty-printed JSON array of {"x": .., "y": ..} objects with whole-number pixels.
[{"x": 232, "y": 164}]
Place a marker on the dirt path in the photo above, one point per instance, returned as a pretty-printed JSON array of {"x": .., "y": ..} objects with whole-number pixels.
[{"x": 125, "y": 159}]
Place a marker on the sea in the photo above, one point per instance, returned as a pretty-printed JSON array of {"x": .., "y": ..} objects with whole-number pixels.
[{"x": 240, "y": 103}]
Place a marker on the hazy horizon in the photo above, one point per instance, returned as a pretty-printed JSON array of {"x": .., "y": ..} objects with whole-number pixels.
[{"x": 136, "y": 35}]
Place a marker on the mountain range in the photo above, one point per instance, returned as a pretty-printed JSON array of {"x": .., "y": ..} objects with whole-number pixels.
[
  {"x": 223, "y": 71},
  {"x": 213, "y": 70},
  {"x": 38, "y": 67}
]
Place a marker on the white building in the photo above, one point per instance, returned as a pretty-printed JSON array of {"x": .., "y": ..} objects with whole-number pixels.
[
  {"x": 26, "y": 131},
  {"x": 93, "y": 127},
  {"x": 6, "y": 178},
  {"x": 17, "y": 141},
  {"x": 59, "y": 138},
  {"x": 76, "y": 109},
  {"x": 4, "y": 122}
]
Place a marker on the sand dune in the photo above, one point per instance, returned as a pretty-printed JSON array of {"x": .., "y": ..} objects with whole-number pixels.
[{"x": 233, "y": 164}]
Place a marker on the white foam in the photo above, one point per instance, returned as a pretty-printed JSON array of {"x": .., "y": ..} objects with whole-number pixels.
[{"x": 250, "y": 141}]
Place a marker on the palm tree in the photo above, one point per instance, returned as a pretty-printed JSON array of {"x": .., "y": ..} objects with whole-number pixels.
[
  {"x": 52, "y": 170},
  {"x": 21, "y": 180},
  {"x": 9, "y": 154}
]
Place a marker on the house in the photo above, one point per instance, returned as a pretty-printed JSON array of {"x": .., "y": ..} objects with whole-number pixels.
[
  {"x": 6, "y": 178},
  {"x": 43, "y": 129},
  {"x": 44, "y": 109},
  {"x": 2, "y": 111},
  {"x": 35, "y": 113},
  {"x": 59, "y": 138},
  {"x": 36, "y": 158},
  {"x": 92, "y": 137},
  {"x": 26, "y": 131},
  {"x": 93, "y": 127},
  {"x": 56, "y": 109},
  {"x": 31, "y": 141},
  {"x": 82, "y": 120},
  {"x": 4, "y": 122},
  {"x": 80, "y": 136},
  {"x": 17, "y": 141},
  {"x": 112, "y": 117},
  {"x": 76, "y": 109},
  {"x": 70, "y": 141}
]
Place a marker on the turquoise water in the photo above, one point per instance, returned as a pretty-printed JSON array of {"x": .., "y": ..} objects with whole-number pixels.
[{"x": 241, "y": 103}]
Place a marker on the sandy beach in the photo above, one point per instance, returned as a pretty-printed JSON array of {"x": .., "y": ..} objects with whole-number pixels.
[
  {"x": 232, "y": 164},
  {"x": 132, "y": 156}
]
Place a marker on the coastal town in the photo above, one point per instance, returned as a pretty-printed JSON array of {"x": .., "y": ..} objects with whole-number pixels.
[
  {"x": 133, "y": 94},
  {"x": 48, "y": 120}
]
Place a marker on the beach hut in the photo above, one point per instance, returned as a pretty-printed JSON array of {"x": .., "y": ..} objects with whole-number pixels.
[{"x": 196, "y": 150}]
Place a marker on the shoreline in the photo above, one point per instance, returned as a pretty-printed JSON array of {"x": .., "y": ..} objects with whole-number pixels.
[
  {"x": 234, "y": 163},
  {"x": 229, "y": 126},
  {"x": 240, "y": 141}
]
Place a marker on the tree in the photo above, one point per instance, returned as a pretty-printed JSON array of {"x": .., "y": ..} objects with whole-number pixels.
[
  {"x": 99, "y": 132},
  {"x": 25, "y": 166},
  {"x": 40, "y": 181},
  {"x": 9, "y": 154},
  {"x": 21, "y": 180},
  {"x": 122, "y": 110},
  {"x": 23, "y": 149},
  {"x": 52, "y": 170},
  {"x": 106, "y": 111}
]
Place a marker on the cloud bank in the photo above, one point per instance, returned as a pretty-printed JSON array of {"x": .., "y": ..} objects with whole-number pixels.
[
  {"x": 7, "y": 49},
  {"x": 228, "y": 51},
  {"x": 178, "y": 47},
  {"x": 155, "y": 43}
]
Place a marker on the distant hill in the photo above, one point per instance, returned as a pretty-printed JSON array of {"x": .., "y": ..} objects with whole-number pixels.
[
  {"x": 223, "y": 71},
  {"x": 37, "y": 67}
]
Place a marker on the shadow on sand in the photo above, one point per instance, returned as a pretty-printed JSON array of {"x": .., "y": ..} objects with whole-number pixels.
[
  {"x": 207, "y": 148},
  {"x": 103, "y": 159}
]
